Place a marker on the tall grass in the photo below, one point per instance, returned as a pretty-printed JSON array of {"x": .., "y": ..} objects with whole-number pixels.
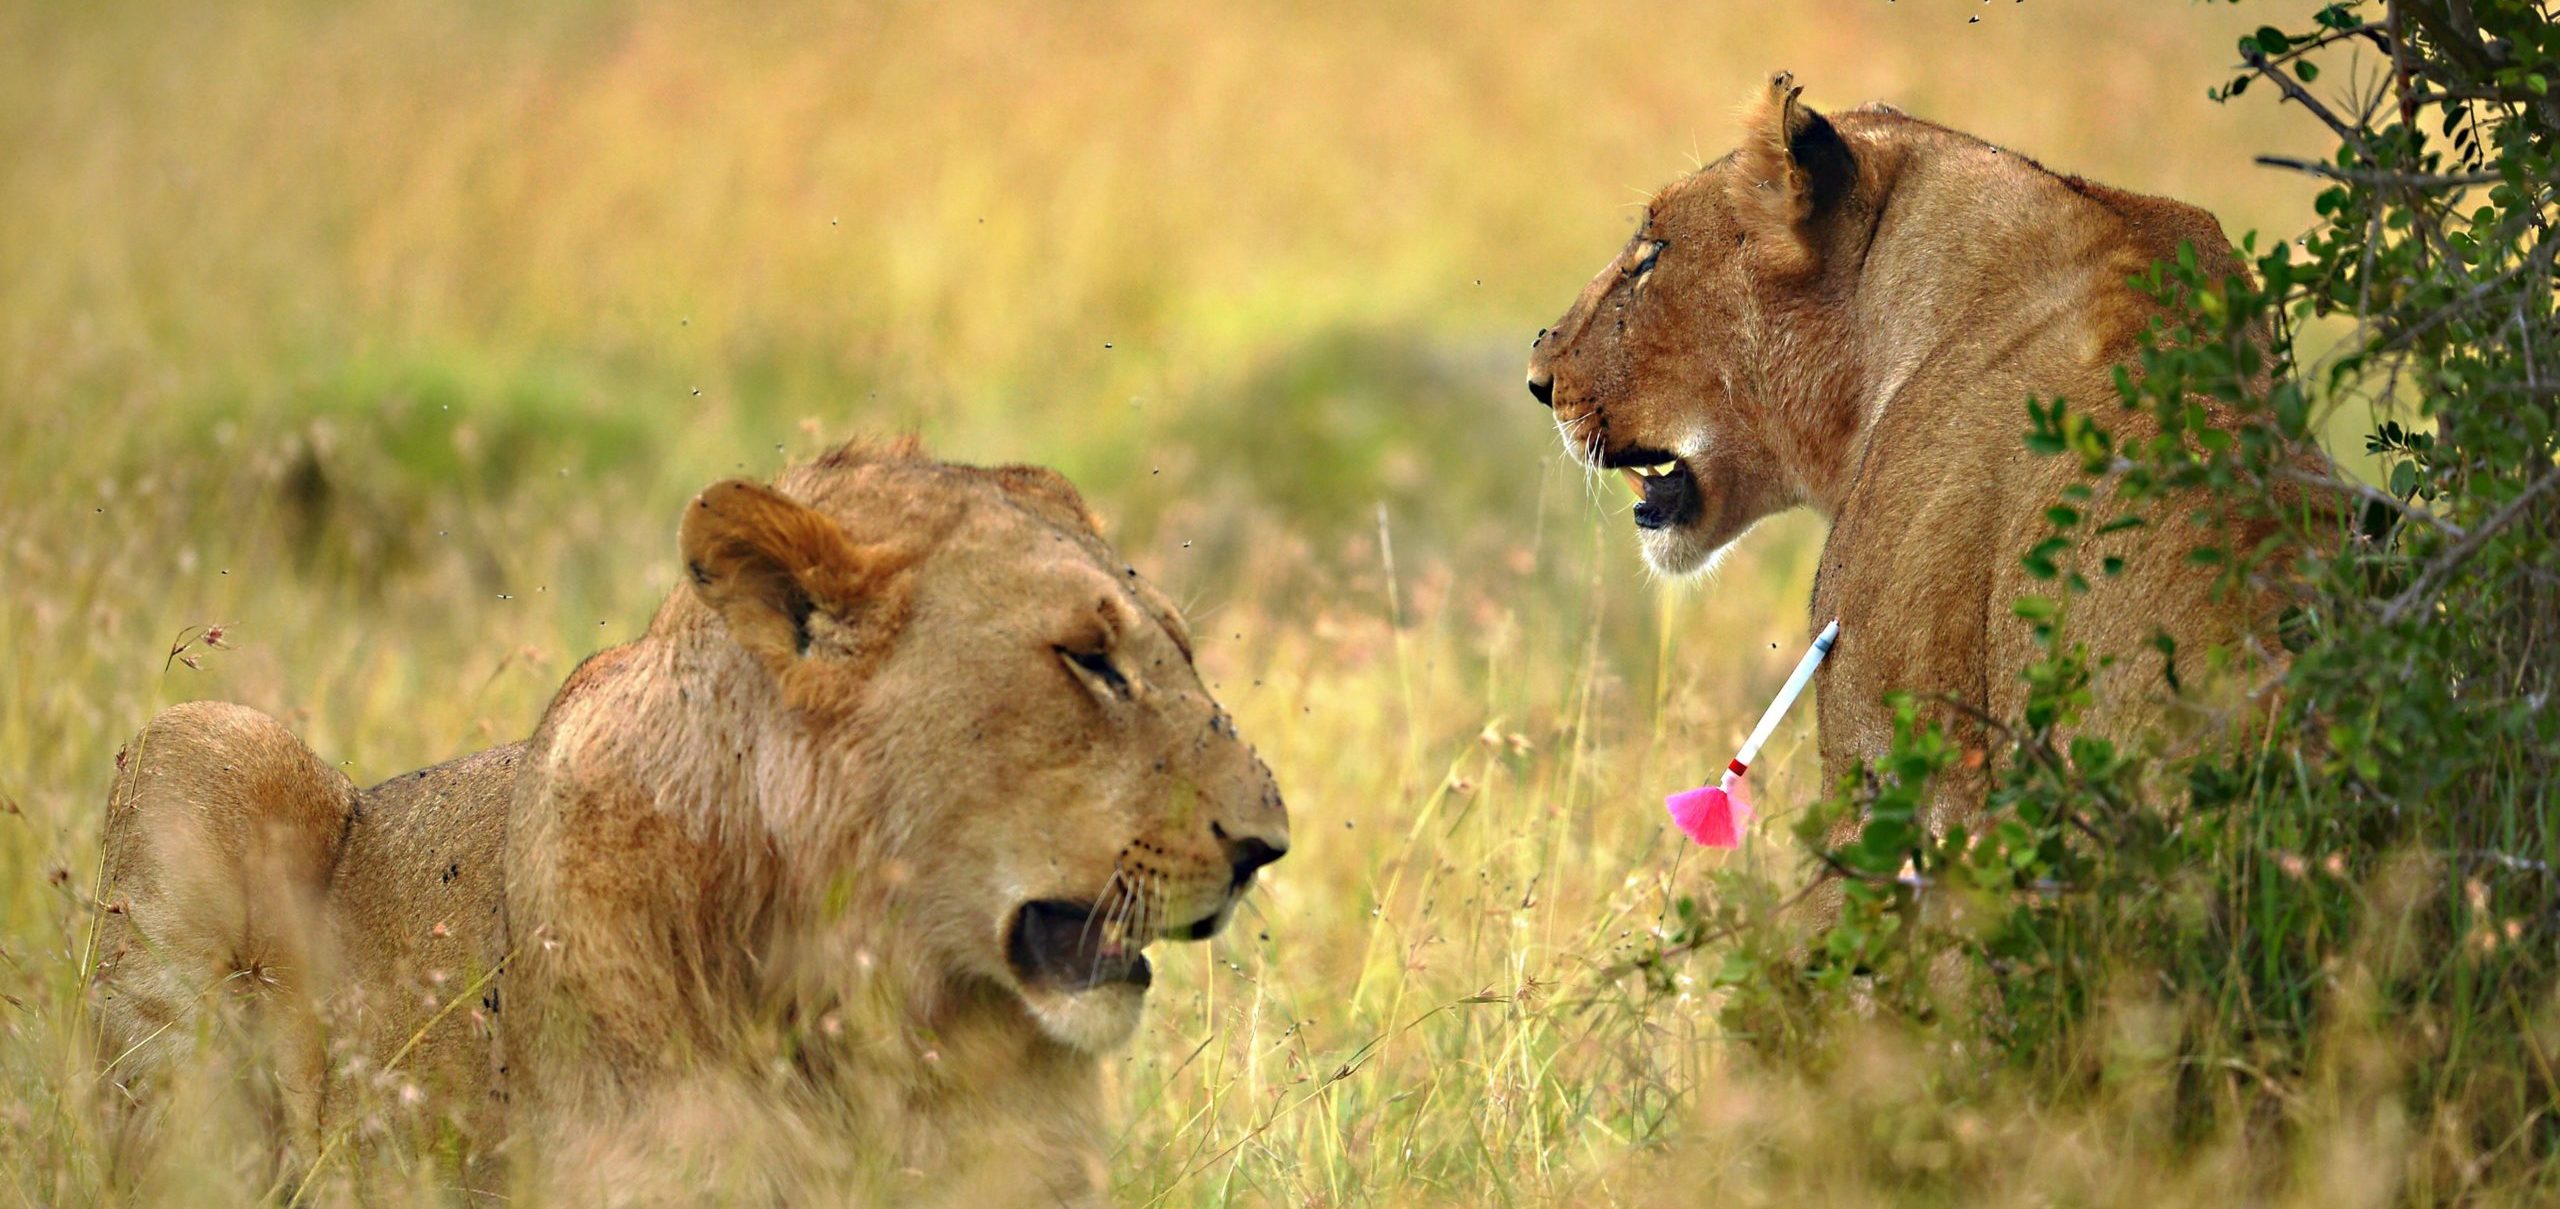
[{"x": 392, "y": 334}]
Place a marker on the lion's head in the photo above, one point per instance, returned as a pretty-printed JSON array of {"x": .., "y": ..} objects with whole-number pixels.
[
  {"x": 1706, "y": 361},
  {"x": 970, "y": 736}
]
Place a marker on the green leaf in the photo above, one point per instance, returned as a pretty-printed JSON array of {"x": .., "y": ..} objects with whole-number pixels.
[{"x": 2039, "y": 561}]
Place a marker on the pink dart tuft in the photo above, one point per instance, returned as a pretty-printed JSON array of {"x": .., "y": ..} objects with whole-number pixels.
[
  {"x": 1742, "y": 809},
  {"x": 1713, "y": 815}
]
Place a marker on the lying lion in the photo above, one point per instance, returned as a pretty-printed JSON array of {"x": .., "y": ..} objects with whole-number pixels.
[
  {"x": 1848, "y": 314},
  {"x": 833, "y": 884}
]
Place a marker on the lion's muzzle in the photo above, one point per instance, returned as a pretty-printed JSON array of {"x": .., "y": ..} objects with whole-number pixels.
[{"x": 1064, "y": 946}]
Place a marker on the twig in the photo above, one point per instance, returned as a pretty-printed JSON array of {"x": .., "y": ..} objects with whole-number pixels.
[
  {"x": 2460, "y": 552},
  {"x": 2457, "y": 34},
  {"x": 2364, "y": 492},
  {"x": 1728, "y": 932},
  {"x": 2530, "y": 389},
  {"x": 2041, "y": 751},
  {"x": 2402, "y": 180},
  {"x": 2518, "y": 864},
  {"x": 2398, "y": 48},
  {"x": 2302, "y": 96},
  {"x": 2378, "y": 35},
  {"x": 2454, "y": 31},
  {"x": 2437, "y": 96},
  {"x": 2446, "y": 312}
]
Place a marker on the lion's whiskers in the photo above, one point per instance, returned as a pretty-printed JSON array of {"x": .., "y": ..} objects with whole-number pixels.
[
  {"x": 1584, "y": 449},
  {"x": 1101, "y": 903},
  {"x": 1115, "y": 925},
  {"x": 1140, "y": 905}
]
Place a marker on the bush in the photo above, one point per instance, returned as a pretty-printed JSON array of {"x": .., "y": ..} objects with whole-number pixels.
[{"x": 2362, "y": 893}]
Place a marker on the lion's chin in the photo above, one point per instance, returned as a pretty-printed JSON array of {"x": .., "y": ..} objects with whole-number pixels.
[
  {"x": 1679, "y": 553},
  {"x": 1095, "y": 1020},
  {"x": 1697, "y": 541}
]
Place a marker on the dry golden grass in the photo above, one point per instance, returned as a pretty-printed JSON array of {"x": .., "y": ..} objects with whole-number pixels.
[{"x": 392, "y": 334}]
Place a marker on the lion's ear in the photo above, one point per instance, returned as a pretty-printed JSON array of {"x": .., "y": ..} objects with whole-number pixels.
[
  {"x": 1795, "y": 166},
  {"x": 768, "y": 564}
]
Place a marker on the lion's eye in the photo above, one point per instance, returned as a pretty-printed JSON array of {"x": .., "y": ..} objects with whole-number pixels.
[
  {"x": 1644, "y": 263},
  {"x": 1096, "y": 668}
]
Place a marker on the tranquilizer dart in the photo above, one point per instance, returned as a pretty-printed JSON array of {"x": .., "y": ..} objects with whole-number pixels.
[{"x": 1714, "y": 815}]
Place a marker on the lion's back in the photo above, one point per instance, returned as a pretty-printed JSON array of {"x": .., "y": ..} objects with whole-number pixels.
[{"x": 416, "y": 902}]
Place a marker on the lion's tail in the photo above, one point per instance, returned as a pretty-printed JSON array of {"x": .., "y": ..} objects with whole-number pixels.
[{"x": 220, "y": 836}]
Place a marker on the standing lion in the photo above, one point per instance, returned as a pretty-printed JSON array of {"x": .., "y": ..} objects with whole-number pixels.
[{"x": 1848, "y": 314}]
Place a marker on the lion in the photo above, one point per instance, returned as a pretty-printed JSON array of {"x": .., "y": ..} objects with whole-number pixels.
[
  {"x": 835, "y": 883},
  {"x": 1847, "y": 314}
]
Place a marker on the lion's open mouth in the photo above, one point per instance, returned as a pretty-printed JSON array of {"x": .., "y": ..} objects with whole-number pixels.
[
  {"x": 1666, "y": 492},
  {"x": 1061, "y": 946}
]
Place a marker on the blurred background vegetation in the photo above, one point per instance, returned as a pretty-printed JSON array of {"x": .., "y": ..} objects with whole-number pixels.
[{"x": 392, "y": 334}]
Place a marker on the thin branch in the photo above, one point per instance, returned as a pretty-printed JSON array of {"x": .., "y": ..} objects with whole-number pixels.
[
  {"x": 2374, "y": 495},
  {"x": 2436, "y": 96},
  {"x": 2040, "y": 751},
  {"x": 2491, "y": 856},
  {"x": 2529, "y": 389},
  {"x": 2446, "y": 312},
  {"x": 1728, "y": 932},
  {"x": 2257, "y": 60},
  {"x": 2452, "y": 29},
  {"x": 2378, "y": 35},
  {"x": 2401, "y": 75},
  {"x": 2424, "y": 587},
  {"x": 2402, "y": 180}
]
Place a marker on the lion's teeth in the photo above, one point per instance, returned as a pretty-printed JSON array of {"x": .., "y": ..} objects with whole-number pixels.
[{"x": 1636, "y": 475}]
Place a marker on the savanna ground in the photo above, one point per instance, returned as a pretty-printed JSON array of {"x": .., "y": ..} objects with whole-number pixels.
[{"x": 390, "y": 336}]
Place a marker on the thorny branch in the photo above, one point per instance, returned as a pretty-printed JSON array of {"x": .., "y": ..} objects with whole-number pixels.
[{"x": 2257, "y": 61}]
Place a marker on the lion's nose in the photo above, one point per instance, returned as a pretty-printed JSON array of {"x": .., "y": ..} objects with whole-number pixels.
[
  {"x": 1245, "y": 854},
  {"x": 1542, "y": 382}
]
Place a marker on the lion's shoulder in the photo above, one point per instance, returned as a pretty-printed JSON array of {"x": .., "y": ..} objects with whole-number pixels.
[{"x": 2148, "y": 225}]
